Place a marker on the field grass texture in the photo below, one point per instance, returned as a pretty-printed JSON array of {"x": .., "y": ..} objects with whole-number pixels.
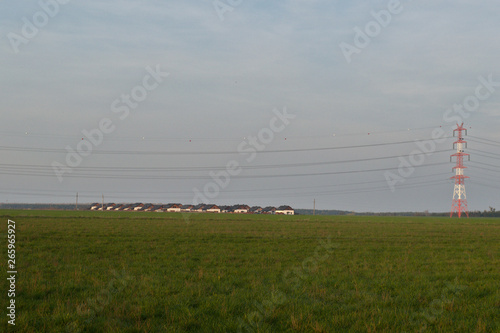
[{"x": 173, "y": 272}]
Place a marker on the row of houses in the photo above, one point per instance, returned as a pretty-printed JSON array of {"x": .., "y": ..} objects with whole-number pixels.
[{"x": 201, "y": 208}]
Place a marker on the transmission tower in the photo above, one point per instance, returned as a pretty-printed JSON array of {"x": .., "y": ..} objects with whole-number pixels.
[{"x": 459, "y": 203}]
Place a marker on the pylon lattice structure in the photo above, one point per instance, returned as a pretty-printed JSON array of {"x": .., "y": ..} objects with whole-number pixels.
[{"x": 459, "y": 203}]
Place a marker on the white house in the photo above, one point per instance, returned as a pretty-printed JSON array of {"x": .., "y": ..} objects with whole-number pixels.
[
  {"x": 173, "y": 208},
  {"x": 128, "y": 207},
  {"x": 211, "y": 209},
  {"x": 240, "y": 209},
  {"x": 285, "y": 210},
  {"x": 110, "y": 206},
  {"x": 119, "y": 207},
  {"x": 95, "y": 206},
  {"x": 139, "y": 206}
]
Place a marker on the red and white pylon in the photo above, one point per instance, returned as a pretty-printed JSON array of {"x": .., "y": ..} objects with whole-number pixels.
[{"x": 459, "y": 203}]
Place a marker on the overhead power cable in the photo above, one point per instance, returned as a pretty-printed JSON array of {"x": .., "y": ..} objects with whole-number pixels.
[
  {"x": 29, "y": 134},
  {"x": 482, "y": 168},
  {"x": 487, "y": 164},
  {"x": 484, "y": 139},
  {"x": 296, "y": 193},
  {"x": 31, "y": 167},
  {"x": 139, "y": 152},
  {"x": 475, "y": 182},
  {"x": 45, "y": 192},
  {"x": 143, "y": 177},
  {"x": 490, "y": 142},
  {"x": 485, "y": 153}
]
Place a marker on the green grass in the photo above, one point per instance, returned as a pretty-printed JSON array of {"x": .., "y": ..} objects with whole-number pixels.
[{"x": 157, "y": 272}]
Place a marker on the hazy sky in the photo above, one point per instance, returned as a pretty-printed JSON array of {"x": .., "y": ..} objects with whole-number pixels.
[{"x": 145, "y": 79}]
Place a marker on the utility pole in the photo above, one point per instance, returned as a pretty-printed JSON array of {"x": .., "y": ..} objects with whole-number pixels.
[
  {"x": 76, "y": 204},
  {"x": 103, "y": 202},
  {"x": 314, "y": 207}
]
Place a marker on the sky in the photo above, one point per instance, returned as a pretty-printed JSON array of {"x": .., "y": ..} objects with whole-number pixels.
[{"x": 348, "y": 104}]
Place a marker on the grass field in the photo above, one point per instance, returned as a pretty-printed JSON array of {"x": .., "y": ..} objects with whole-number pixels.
[{"x": 157, "y": 272}]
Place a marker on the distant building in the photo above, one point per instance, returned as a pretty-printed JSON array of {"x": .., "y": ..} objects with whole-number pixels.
[
  {"x": 128, "y": 207},
  {"x": 201, "y": 208},
  {"x": 173, "y": 208},
  {"x": 198, "y": 208},
  {"x": 110, "y": 206},
  {"x": 240, "y": 209},
  {"x": 159, "y": 208},
  {"x": 138, "y": 206},
  {"x": 211, "y": 209},
  {"x": 256, "y": 210},
  {"x": 285, "y": 210},
  {"x": 119, "y": 207},
  {"x": 95, "y": 206},
  {"x": 148, "y": 207},
  {"x": 225, "y": 209},
  {"x": 269, "y": 210}
]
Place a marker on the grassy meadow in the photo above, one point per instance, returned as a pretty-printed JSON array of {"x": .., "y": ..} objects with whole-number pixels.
[{"x": 159, "y": 272}]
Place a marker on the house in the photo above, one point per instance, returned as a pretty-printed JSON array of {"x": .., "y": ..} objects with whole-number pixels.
[
  {"x": 256, "y": 210},
  {"x": 198, "y": 208},
  {"x": 240, "y": 209},
  {"x": 110, "y": 206},
  {"x": 128, "y": 207},
  {"x": 148, "y": 207},
  {"x": 119, "y": 207},
  {"x": 225, "y": 209},
  {"x": 95, "y": 206},
  {"x": 173, "y": 208},
  {"x": 269, "y": 210},
  {"x": 159, "y": 208},
  {"x": 211, "y": 209},
  {"x": 138, "y": 206},
  {"x": 285, "y": 210},
  {"x": 186, "y": 208}
]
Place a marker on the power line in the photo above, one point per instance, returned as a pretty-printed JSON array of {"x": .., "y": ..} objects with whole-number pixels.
[
  {"x": 491, "y": 143},
  {"x": 484, "y": 153},
  {"x": 484, "y": 139},
  {"x": 287, "y": 194},
  {"x": 486, "y": 185},
  {"x": 44, "y": 192},
  {"x": 487, "y": 164},
  {"x": 144, "y": 177},
  {"x": 32, "y": 167},
  {"x": 57, "y": 193},
  {"x": 481, "y": 168},
  {"x": 123, "y": 152},
  {"x": 28, "y": 134}
]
